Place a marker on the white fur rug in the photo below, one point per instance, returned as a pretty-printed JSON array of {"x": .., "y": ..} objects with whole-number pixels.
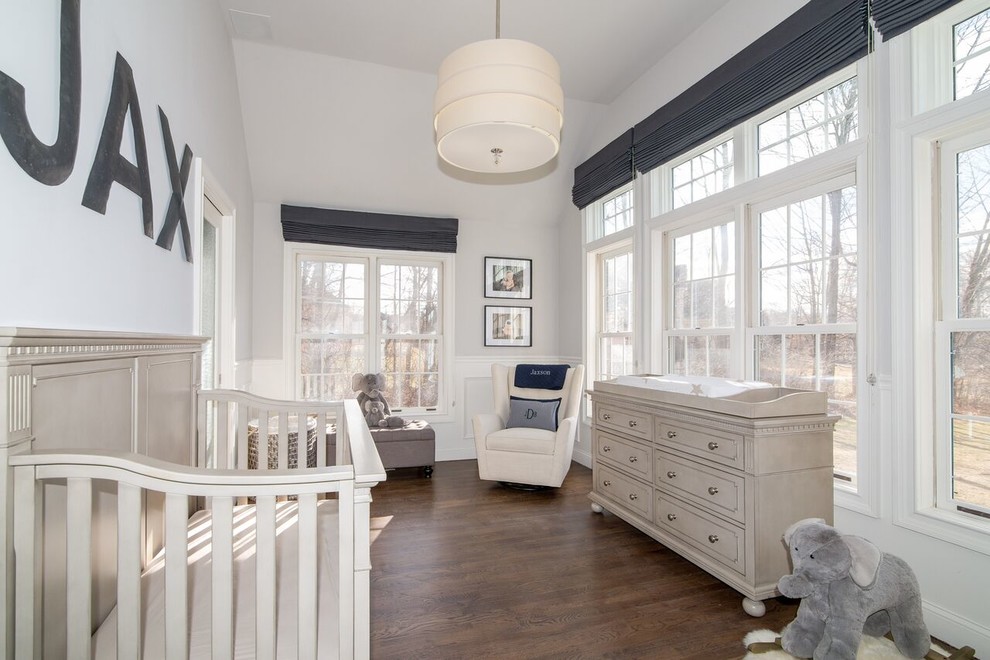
[{"x": 871, "y": 648}]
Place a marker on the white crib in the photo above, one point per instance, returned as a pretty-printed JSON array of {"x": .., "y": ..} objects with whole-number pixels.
[{"x": 109, "y": 448}]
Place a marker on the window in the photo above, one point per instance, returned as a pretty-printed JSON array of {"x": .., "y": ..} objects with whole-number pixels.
[
  {"x": 702, "y": 305},
  {"x": 615, "y": 317},
  {"x": 971, "y": 55},
  {"x": 809, "y": 128},
  {"x": 611, "y": 214},
  {"x": 806, "y": 310},
  {"x": 963, "y": 333},
  {"x": 338, "y": 295},
  {"x": 702, "y": 175}
]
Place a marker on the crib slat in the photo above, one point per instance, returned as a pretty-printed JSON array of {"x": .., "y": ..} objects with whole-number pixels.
[
  {"x": 265, "y": 564},
  {"x": 201, "y": 428},
  {"x": 321, "y": 440},
  {"x": 263, "y": 439},
  {"x": 242, "y": 437},
  {"x": 223, "y": 590},
  {"x": 176, "y": 566},
  {"x": 307, "y": 572},
  {"x": 78, "y": 566},
  {"x": 27, "y": 583},
  {"x": 223, "y": 435},
  {"x": 128, "y": 571},
  {"x": 283, "y": 440}
]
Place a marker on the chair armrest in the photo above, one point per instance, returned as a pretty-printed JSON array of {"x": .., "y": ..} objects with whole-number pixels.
[
  {"x": 566, "y": 431},
  {"x": 486, "y": 423}
]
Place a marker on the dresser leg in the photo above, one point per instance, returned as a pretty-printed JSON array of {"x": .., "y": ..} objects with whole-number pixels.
[
  {"x": 597, "y": 508},
  {"x": 754, "y": 607}
]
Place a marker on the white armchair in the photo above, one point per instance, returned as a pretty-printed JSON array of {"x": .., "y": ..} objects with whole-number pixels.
[{"x": 530, "y": 456}]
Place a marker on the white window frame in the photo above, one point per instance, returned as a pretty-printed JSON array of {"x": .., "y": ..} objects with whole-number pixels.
[
  {"x": 918, "y": 125},
  {"x": 293, "y": 251},
  {"x": 615, "y": 249},
  {"x": 736, "y": 332},
  {"x": 750, "y": 190},
  {"x": 931, "y": 57}
]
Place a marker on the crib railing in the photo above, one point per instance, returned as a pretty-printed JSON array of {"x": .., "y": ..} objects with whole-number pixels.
[
  {"x": 358, "y": 469},
  {"x": 231, "y": 424}
]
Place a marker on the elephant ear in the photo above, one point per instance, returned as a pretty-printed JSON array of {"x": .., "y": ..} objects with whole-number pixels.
[
  {"x": 357, "y": 382},
  {"x": 865, "y": 560}
]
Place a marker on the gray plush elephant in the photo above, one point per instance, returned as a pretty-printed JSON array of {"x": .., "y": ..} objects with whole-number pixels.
[{"x": 848, "y": 587}]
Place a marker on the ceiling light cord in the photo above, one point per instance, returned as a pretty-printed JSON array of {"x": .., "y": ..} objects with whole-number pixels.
[{"x": 498, "y": 19}]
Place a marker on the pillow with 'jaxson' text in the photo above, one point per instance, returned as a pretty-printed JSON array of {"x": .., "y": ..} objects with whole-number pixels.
[{"x": 533, "y": 413}]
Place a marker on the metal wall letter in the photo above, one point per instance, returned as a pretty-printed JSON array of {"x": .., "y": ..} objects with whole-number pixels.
[
  {"x": 110, "y": 166},
  {"x": 49, "y": 164},
  {"x": 178, "y": 177}
]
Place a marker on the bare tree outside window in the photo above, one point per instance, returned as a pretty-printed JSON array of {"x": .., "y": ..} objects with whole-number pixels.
[
  {"x": 970, "y": 342},
  {"x": 971, "y": 55},
  {"x": 808, "y": 304}
]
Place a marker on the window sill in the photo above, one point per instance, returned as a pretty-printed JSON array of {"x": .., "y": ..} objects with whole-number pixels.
[{"x": 965, "y": 531}]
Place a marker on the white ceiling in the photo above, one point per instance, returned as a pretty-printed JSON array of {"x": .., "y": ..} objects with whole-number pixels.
[{"x": 602, "y": 46}]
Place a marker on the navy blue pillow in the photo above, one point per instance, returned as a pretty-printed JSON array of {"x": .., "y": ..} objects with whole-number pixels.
[{"x": 533, "y": 413}]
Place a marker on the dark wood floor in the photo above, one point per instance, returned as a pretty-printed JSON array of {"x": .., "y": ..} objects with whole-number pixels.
[{"x": 464, "y": 568}]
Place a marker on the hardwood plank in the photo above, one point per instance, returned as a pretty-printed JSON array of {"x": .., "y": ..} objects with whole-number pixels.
[{"x": 466, "y": 568}]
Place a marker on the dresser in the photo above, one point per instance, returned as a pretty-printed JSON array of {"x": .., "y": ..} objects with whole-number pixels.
[{"x": 716, "y": 479}]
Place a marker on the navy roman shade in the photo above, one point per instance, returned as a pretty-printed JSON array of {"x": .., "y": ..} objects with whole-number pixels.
[
  {"x": 892, "y": 17},
  {"x": 383, "y": 231},
  {"x": 607, "y": 170},
  {"x": 816, "y": 40}
]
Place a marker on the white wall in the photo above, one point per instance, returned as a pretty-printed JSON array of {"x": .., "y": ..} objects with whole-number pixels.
[
  {"x": 329, "y": 132},
  {"x": 65, "y": 266},
  {"x": 954, "y": 579}
]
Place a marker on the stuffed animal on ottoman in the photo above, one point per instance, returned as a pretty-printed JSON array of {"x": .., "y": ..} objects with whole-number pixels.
[
  {"x": 369, "y": 389},
  {"x": 848, "y": 587}
]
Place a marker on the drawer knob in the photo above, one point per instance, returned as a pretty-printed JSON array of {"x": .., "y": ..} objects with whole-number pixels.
[
  {"x": 713, "y": 446},
  {"x": 633, "y": 459},
  {"x": 606, "y": 449},
  {"x": 671, "y": 474},
  {"x": 606, "y": 483},
  {"x": 671, "y": 517},
  {"x": 671, "y": 434},
  {"x": 712, "y": 538},
  {"x": 712, "y": 490},
  {"x": 632, "y": 423},
  {"x": 606, "y": 416},
  {"x": 633, "y": 496}
]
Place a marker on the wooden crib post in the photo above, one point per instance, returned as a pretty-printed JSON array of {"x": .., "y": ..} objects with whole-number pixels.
[{"x": 362, "y": 573}]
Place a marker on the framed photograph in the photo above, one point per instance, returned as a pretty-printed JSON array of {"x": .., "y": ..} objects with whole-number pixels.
[
  {"x": 508, "y": 326},
  {"x": 508, "y": 278}
]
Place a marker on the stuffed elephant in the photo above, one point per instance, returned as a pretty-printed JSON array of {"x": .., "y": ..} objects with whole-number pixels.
[
  {"x": 369, "y": 388},
  {"x": 848, "y": 587}
]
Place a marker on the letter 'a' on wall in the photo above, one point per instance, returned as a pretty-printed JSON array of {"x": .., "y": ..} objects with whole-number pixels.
[
  {"x": 110, "y": 166},
  {"x": 49, "y": 164}
]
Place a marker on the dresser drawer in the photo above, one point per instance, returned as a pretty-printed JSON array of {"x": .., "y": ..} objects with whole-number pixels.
[
  {"x": 725, "y": 448},
  {"x": 631, "y": 494},
  {"x": 719, "y": 540},
  {"x": 628, "y": 455},
  {"x": 713, "y": 489},
  {"x": 639, "y": 425}
]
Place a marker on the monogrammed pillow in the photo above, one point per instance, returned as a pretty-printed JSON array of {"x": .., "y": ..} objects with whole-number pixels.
[{"x": 533, "y": 413}]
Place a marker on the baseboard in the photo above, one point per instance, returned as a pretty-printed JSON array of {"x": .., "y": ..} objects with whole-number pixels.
[
  {"x": 582, "y": 456},
  {"x": 457, "y": 454},
  {"x": 956, "y": 630}
]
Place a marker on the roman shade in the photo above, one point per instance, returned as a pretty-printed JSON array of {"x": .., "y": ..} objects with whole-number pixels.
[
  {"x": 383, "y": 231},
  {"x": 815, "y": 41},
  {"x": 892, "y": 17},
  {"x": 607, "y": 170}
]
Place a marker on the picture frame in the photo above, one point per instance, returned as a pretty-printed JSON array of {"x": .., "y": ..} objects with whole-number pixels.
[
  {"x": 508, "y": 326},
  {"x": 507, "y": 277}
]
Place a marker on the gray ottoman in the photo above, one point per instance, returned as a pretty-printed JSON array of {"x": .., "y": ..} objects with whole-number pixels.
[{"x": 413, "y": 445}]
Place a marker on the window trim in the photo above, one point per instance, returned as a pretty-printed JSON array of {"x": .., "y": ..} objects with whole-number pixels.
[
  {"x": 913, "y": 261},
  {"x": 290, "y": 311}
]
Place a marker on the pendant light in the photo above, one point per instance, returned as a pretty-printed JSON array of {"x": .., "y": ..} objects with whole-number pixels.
[{"x": 498, "y": 105}]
